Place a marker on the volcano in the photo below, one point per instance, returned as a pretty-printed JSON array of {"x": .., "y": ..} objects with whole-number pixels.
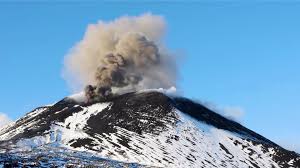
[{"x": 138, "y": 129}]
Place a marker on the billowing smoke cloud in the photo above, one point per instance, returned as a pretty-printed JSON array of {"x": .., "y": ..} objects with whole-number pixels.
[{"x": 123, "y": 55}]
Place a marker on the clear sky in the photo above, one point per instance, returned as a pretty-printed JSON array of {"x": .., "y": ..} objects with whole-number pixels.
[{"x": 242, "y": 55}]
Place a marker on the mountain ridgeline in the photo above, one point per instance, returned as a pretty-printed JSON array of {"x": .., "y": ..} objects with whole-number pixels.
[{"x": 138, "y": 129}]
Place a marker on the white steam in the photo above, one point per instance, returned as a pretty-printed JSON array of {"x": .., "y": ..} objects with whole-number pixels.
[{"x": 4, "y": 120}]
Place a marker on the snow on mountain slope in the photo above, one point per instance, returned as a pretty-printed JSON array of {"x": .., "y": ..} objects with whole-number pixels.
[{"x": 148, "y": 128}]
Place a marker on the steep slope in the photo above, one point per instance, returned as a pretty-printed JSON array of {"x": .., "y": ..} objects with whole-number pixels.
[{"x": 148, "y": 128}]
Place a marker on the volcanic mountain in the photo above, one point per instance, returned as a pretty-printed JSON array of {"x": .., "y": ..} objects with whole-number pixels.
[{"x": 138, "y": 129}]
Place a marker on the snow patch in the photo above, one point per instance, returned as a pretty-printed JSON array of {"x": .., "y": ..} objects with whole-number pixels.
[{"x": 61, "y": 133}]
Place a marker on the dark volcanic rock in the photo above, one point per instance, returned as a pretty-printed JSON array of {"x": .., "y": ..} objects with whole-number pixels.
[
  {"x": 146, "y": 127},
  {"x": 126, "y": 110}
]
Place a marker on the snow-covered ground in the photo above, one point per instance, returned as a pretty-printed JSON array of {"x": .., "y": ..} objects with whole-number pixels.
[{"x": 188, "y": 143}]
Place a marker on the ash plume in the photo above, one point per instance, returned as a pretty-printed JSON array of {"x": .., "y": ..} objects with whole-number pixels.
[{"x": 123, "y": 55}]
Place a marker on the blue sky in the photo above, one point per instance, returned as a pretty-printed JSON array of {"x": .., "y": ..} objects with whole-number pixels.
[{"x": 236, "y": 54}]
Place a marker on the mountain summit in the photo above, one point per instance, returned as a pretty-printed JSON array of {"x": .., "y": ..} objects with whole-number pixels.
[{"x": 138, "y": 129}]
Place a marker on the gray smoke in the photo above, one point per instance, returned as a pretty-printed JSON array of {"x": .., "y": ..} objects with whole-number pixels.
[{"x": 124, "y": 55}]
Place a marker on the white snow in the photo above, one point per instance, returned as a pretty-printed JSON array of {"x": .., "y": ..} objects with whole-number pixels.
[
  {"x": 190, "y": 144},
  {"x": 61, "y": 134},
  {"x": 6, "y": 135},
  {"x": 197, "y": 141},
  {"x": 78, "y": 120}
]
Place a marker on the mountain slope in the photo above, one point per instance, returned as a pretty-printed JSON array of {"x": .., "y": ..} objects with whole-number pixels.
[{"x": 148, "y": 128}]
